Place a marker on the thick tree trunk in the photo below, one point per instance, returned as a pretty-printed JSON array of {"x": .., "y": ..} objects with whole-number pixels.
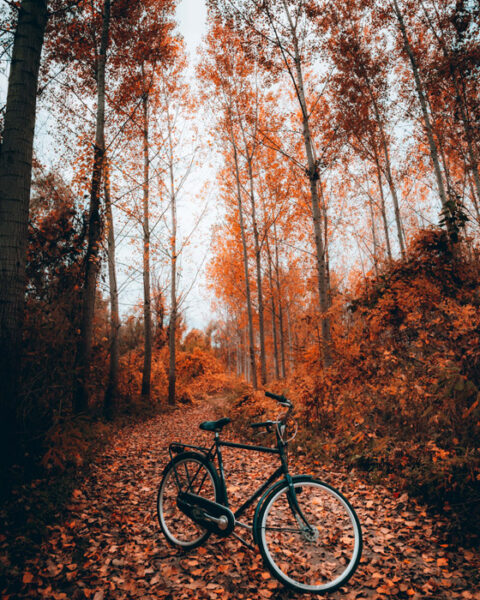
[
  {"x": 261, "y": 320},
  {"x": 112, "y": 386},
  {"x": 251, "y": 353},
  {"x": 92, "y": 258},
  {"x": 15, "y": 178},
  {"x": 426, "y": 117},
  {"x": 147, "y": 309}
]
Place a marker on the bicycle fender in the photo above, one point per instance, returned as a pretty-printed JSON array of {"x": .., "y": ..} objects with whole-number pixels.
[{"x": 271, "y": 490}]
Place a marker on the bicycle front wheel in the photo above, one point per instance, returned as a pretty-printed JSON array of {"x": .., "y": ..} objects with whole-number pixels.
[
  {"x": 316, "y": 556},
  {"x": 187, "y": 472}
]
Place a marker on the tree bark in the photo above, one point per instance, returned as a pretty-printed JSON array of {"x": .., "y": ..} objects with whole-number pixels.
[
  {"x": 426, "y": 117},
  {"x": 317, "y": 220},
  {"x": 374, "y": 235},
  {"x": 388, "y": 172},
  {"x": 92, "y": 258},
  {"x": 172, "y": 376},
  {"x": 112, "y": 386},
  {"x": 253, "y": 367},
  {"x": 261, "y": 319},
  {"x": 312, "y": 174},
  {"x": 383, "y": 207},
  {"x": 280, "y": 306},
  {"x": 15, "y": 179},
  {"x": 147, "y": 309},
  {"x": 276, "y": 362},
  {"x": 458, "y": 80}
]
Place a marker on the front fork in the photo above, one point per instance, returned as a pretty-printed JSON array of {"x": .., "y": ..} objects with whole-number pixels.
[{"x": 308, "y": 532}]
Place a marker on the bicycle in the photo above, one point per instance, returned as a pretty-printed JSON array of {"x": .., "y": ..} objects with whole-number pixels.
[{"x": 308, "y": 534}]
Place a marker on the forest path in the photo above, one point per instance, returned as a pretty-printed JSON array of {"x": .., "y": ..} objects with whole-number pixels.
[{"x": 110, "y": 546}]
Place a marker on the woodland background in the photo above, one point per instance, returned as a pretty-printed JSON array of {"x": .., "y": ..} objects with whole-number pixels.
[{"x": 344, "y": 270}]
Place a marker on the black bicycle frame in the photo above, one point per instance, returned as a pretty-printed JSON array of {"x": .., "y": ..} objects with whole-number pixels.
[
  {"x": 214, "y": 451},
  {"x": 283, "y": 469}
]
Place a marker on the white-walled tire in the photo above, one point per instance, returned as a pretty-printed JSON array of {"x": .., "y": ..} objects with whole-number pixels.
[
  {"x": 318, "y": 559},
  {"x": 189, "y": 471}
]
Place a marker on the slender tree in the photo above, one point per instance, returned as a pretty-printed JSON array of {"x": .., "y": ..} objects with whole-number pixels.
[
  {"x": 112, "y": 385},
  {"x": 92, "y": 259}
]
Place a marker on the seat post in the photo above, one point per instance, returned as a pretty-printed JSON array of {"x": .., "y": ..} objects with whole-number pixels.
[{"x": 220, "y": 468}]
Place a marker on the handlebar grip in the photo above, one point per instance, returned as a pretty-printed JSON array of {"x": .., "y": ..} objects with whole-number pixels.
[{"x": 278, "y": 398}]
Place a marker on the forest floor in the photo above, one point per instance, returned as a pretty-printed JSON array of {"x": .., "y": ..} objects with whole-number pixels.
[{"x": 110, "y": 546}]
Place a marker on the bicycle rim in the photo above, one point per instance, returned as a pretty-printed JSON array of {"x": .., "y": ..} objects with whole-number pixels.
[
  {"x": 187, "y": 474},
  {"x": 318, "y": 557}
]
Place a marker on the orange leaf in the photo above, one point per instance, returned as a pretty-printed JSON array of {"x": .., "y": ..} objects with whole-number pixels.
[{"x": 27, "y": 577}]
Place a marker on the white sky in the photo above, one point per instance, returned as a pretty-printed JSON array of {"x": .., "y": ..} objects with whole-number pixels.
[{"x": 191, "y": 15}]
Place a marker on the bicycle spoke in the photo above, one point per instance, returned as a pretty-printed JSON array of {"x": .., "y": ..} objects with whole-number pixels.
[
  {"x": 317, "y": 557},
  {"x": 176, "y": 525}
]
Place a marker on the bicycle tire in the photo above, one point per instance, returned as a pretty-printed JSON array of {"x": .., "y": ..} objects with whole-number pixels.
[
  {"x": 179, "y": 530},
  {"x": 316, "y": 560}
]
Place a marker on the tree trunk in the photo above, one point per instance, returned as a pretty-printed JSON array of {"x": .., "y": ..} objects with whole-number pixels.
[
  {"x": 317, "y": 223},
  {"x": 467, "y": 127},
  {"x": 173, "y": 313},
  {"x": 374, "y": 235},
  {"x": 112, "y": 386},
  {"x": 261, "y": 322},
  {"x": 253, "y": 367},
  {"x": 458, "y": 79},
  {"x": 280, "y": 306},
  {"x": 274, "y": 314},
  {"x": 15, "y": 179},
  {"x": 147, "y": 310},
  {"x": 383, "y": 207},
  {"x": 388, "y": 173},
  {"x": 173, "y": 288},
  {"x": 426, "y": 118},
  {"x": 92, "y": 258},
  {"x": 313, "y": 175},
  {"x": 474, "y": 199},
  {"x": 323, "y": 208}
]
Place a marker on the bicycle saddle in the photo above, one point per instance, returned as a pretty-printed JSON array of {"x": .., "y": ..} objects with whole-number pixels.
[{"x": 215, "y": 425}]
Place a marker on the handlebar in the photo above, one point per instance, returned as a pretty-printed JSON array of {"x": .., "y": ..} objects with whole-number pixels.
[
  {"x": 266, "y": 424},
  {"x": 284, "y": 401},
  {"x": 281, "y": 423}
]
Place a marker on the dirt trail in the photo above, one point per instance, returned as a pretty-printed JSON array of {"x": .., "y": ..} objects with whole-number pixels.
[{"x": 110, "y": 546}]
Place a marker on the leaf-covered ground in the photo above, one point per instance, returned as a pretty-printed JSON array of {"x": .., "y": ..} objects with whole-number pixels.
[{"x": 110, "y": 545}]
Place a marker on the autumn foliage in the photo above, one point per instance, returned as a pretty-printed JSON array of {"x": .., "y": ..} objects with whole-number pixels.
[
  {"x": 340, "y": 141},
  {"x": 402, "y": 401}
]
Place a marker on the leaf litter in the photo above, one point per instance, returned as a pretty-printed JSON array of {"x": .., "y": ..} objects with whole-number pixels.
[{"x": 110, "y": 545}]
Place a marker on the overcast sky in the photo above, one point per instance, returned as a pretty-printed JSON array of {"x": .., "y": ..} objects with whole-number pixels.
[{"x": 191, "y": 15}]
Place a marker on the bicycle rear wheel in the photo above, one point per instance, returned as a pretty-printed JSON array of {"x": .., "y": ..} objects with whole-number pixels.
[
  {"x": 187, "y": 472},
  {"x": 318, "y": 557}
]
